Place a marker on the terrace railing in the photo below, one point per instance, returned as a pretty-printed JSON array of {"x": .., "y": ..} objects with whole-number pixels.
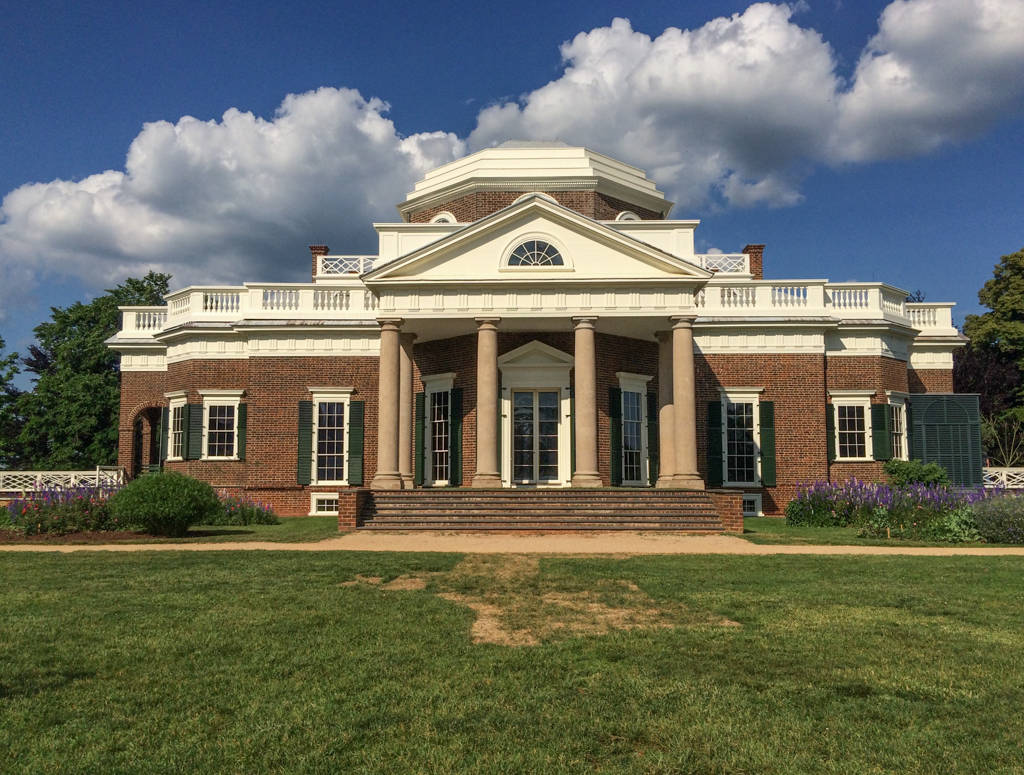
[
  {"x": 1007, "y": 478},
  {"x": 25, "y": 482},
  {"x": 333, "y": 266}
]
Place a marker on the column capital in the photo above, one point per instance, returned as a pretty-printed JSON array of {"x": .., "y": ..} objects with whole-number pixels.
[
  {"x": 487, "y": 322},
  {"x": 583, "y": 321},
  {"x": 682, "y": 321},
  {"x": 391, "y": 324}
]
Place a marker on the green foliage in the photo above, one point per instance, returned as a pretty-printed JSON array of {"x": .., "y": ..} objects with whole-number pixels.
[
  {"x": 1001, "y": 520},
  {"x": 954, "y": 526},
  {"x": 239, "y": 510},
  {"x": 1002, "y": 328},
  {"x": 166, "y": 504},
  {"x": 903, "y": 472},
  {"x": 9, "y": 417},
  {"x": 70, "y": 418}
]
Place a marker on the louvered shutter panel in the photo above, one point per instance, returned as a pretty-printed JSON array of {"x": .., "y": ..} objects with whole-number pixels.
[
  {"x": 165, "y": 429},
  {"x": 767, "y": 424},
  {"x": 653, "y": 441},
  {"x": 356, "y": 436},
  {"x": 830, "y": 430},
  {"x": 419, "y": 451},
  {"x": 714, "y": 444},
  {"x": 615, "y": 434},
  {"x": 243, "y": 423},
  {"x": 304, "y": 461},
  {"x": 195, "y": 432},
  {"x": 881, "y": 432},
  {"x": 947, "y": 431},
  {"x": 455, "y": 438}
]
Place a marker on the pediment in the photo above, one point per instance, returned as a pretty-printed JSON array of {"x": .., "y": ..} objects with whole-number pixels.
[
  {"x": 590, "y": 252},
  {"x": 534, "y": 355}
]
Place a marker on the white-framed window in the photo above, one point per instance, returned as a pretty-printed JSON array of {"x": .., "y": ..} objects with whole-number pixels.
[
  {"x": 437, "y": 390},
  {"x": 752, "y": 505},
  {"x": 852, "y": 424},
  {"x": 634, "y": 428},
  {"x": 330, "y": 435},
  {"x": 741, "y": 436},
  {"x": 220, "y": 424},
  {"x": 323, "y": 504},
  {"x": 535, "y": 252},
  {"x": 898, "y": 427},
  {"x": 176, "y": 425}
]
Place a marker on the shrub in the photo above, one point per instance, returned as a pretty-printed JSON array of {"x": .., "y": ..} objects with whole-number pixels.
[
  {"x": 166, "y": 504},
  {"x": 953, "y": 525},
  {"x": 64, "y": 510},
  {"x": 243, "y": 511},
  {"x": 903, "y": 472},
  {"x": 1001, "y": 519}
]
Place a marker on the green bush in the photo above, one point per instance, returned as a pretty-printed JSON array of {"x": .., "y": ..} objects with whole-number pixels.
[
  {"x": 1000, "y": 520},
  {"x": 903, "y": 472},
  {"x": 166, "y": 504},
  {"x": 239, "y": 510},
  {"x": 954, "y": 526}
]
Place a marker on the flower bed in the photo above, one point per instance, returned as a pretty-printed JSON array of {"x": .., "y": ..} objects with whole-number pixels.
[
  {"x": 63, "y": 510},
  {"x": 929, "y": 512}
]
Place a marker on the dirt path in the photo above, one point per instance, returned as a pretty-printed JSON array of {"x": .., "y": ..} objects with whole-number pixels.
[{"x": 534, "y": 543}]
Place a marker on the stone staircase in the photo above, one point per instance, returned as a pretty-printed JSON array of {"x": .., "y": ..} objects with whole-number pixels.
[{"x": 541, "y": 509}]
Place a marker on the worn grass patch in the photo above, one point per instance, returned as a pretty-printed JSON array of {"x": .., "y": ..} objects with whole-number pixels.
[{"x": 356, "y": 662}]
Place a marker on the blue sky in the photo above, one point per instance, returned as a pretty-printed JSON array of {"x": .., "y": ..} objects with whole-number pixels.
[{"x": 858, "y": 140}]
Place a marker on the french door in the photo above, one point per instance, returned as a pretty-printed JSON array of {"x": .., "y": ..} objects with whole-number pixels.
[{"x": 535, "y": 417}]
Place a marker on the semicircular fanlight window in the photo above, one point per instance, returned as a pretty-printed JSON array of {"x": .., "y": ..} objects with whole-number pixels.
[{"x": 535, "y": 253}]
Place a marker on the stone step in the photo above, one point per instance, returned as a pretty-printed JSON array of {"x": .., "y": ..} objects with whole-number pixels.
[{"x": 708, "y": 527}]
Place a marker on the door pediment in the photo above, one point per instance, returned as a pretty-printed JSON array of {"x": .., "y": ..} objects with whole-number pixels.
[{"x": 590, "y": 252}]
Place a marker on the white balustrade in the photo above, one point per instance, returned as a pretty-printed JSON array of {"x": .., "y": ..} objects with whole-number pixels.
[
  {"x": 341, "y": 265},
  {"x": 25, "y": 482},
  {"x": 222, "y": 301},
  {"x": 724, "y": 263},
  {"x": 276, "y": 299},
  {"x": 331, "y": 299},
  {"x": 1007, "y": 478},
  {"x": 850, "y": 297}
]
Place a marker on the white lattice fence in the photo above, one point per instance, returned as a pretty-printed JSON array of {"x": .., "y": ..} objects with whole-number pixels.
[
  {"x": 1009, "y": 478},
  {"x": 24, "y": 482}
]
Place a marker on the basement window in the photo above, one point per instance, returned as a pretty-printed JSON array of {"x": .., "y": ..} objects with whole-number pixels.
[{"x": 323, "y": 504}]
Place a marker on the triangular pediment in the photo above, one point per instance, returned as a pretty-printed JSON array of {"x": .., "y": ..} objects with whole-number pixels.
[
  {"x": 590, "y": 252},
  {"x": 535, "y": 355}
]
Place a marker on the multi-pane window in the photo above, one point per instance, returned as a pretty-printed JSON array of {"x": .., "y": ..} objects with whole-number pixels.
[
  {"x": 176, "y": 449},
  {"x": 220, "y": 430},
  {"x": 330, "y": 441},
  {"x": 632, "y": 436},
  {"x": 535, "y": 253},
  {"x": 439, "y": 427},
  {"x": 740, "y": 442},
  {"x": 851, "y": 430},
  {"x": 897, "y": 426}
]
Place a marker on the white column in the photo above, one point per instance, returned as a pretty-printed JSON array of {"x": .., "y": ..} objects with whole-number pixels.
[
  {"x": 585, "y": 392},
  {"x": 488, "y": 473},
  {"x": 684, "y": 405},
  {"x": 388, "y": 476},
  {"x": 666, "y": 416}
]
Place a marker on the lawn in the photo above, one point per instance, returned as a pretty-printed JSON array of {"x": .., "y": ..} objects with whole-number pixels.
[
  {"x": 377, "y": 663},
  {"x": 774, "y": 530}
]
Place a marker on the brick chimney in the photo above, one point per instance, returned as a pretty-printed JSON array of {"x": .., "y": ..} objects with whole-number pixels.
[
  {"x": 756, "y": 253},
  {"x": 317, "y": 251}
]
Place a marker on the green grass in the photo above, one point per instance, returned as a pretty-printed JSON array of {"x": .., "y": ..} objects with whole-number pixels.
[
  {"x": 290, "y": 529},
  {"x": 276, "y": 662},
  {"x": 774, "y": 530}
]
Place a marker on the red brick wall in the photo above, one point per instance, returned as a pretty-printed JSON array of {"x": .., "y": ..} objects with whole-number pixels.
[
  {"x": 729, "y": 506},
  {"x": 796, "y": 383},
  {"x": 930, "y": 380},
  {"x": 140, "y": 390},
  {"x": 472, "y": 207},
  {"x": 756, "y": 253}
]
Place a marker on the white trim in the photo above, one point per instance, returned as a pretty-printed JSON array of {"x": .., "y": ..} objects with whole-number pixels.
[
  {"x": 758, "y": 509},
  {"x": 230, "y": 398},
  {"x": 444, "y": 217},
  {"x": 178, "y": 400},
  {"x": 861, "y": 398},
  {"x": 176, "y": 394},
  {"x": 332, "y": 395},
  {"x": 635, "y": 383},
  {"x": 741, "y": 395},
  {"x": 314, "y": 511},
  {"x": 627, "y": 215},
  {"x": 900, "y": 400},
  {"x": 438, "y": 382},
  {"x": 432, "y": 385}
]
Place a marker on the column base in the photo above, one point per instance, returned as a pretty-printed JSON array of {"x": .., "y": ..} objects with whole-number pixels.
[
  {"x": 487, "y": 481},
  {"x": 666, "y": 481},
  {"x": 688, "y": 482},
  {"x": 407, "y": 481},
  {"x": 586, "y": 479},
  {"x": 387, "y": 481}
]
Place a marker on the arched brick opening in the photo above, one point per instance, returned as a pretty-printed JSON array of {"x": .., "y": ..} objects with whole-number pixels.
[{"x": 145, "y": 441}]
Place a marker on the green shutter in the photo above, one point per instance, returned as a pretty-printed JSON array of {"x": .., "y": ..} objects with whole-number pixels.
[
  {"x": 714, "y": 444},
  {"x": 164, "y": 430},
  {"x": 356, "y": 434},
  {"x": 418, "y": 439},
  {"x": 243, "y": 420},
  {"x": 572, "y": 431},
  {"x": 653, "y": 442},
  {"x": 830, "y": 430},
  {"x": 195, "y": 432},
  {"x": 615, "y": 432},
  {"x": 881, "y": 432},
  {"x": 947, "y": 431},
  {"x": 455, "y": 438},
  {"x": 304, "y": 462},
  {"x": 767, "y": 421}
]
